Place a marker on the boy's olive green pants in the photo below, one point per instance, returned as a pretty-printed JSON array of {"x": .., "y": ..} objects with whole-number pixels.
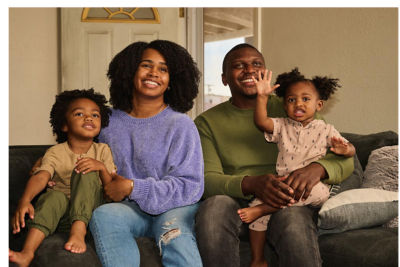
[{"x": 54, "y": 210}]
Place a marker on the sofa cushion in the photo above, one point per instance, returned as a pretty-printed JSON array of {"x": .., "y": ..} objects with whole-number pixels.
[
  {"x": 357, "y": 208},
  {"x": 382, "y": 173},
  {"x": 52, "y": 253},
  {"x": 365, "y": 143},
  {"x": 370, "y": 247}
]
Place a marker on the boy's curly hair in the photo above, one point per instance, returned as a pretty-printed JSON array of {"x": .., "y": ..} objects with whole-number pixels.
[
  {"x": 60, "y": 107},
  {"x": 325, "y": 86},
  {"x": 184, "y": 75}
]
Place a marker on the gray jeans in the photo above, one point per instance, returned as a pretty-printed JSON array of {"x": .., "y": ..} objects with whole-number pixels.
[{"x": 292, "y": 233}]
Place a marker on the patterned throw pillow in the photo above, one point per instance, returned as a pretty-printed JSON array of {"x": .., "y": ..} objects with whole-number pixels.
[{"x": 381, "y": 172}]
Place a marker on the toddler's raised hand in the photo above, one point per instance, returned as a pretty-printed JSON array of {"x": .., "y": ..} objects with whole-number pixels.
[
  {"x": 339, "y": 146},
  {"x": 263, "y": 84},
  {"x": 85, "y": 165}
]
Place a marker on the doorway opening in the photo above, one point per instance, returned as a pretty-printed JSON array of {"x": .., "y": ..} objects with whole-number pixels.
[{"x": 223, "y": 28}]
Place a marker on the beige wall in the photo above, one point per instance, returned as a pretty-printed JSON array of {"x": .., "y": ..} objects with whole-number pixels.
[
  {"x": 357, "y": 45},
  {"x": 33, "y": 75}
]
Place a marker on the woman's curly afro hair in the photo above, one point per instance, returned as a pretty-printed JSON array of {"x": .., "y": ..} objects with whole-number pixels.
[
  {"x": 325, "y": 86},
  {"x": 184, "y": 75},
  {"x": 63, "y": 100}
]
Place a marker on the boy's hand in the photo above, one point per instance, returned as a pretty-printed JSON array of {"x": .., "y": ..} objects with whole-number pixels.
[
  {"x": 85, "y": 165},
  {"x": 339, "y": 146},
  {"x": 18, "y": 221},
  {"x": 263, "y": 83}
]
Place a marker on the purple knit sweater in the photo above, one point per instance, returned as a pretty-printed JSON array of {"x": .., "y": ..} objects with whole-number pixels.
[{"x": 161, "y": 154}]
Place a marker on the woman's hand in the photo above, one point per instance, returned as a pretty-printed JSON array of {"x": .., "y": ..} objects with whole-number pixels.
[
  {"x": 18, "y": 221},
  {"x": 118, "y": 188}
]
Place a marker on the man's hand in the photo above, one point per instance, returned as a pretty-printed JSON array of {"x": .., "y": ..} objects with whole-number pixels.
[
  {"x": 304, "y": 179},
  {"x": 270, "y": 189},
  {"x": 18, "y": 221},
  {"x": 118, "y": 188}
]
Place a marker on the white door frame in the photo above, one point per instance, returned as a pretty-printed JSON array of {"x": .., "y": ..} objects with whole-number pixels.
[{"x": 195, "y": 46}]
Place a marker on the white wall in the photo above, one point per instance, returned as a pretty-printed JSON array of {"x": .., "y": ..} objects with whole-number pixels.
[
  {"x": 33, "y": 74},
  {"x": 357, "y": 45}
]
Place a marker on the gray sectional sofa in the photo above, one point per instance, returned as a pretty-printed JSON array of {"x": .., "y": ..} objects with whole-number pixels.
[{"x": 372, "y": 246}]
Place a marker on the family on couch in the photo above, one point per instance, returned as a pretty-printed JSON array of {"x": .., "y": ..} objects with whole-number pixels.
[{"x": 166, "y": 163}]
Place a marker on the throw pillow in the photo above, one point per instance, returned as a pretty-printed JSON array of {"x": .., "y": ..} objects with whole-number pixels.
[
  {"x": 357, "y": 208},
  {"x": 381, "y": 172}
]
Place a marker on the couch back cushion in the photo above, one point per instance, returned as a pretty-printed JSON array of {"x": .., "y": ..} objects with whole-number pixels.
[
  {"x": 21, "y": 161},
  {"x": 365, "y": 143}
]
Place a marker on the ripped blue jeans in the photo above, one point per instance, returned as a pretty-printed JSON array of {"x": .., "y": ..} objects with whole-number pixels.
[{"x": 115, "y": 226}]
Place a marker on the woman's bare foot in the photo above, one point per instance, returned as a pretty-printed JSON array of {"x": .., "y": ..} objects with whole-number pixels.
[
  {"x": 22, "y": 259},
  {"x": 262, "y": 263},
  {"x": 76, "y": 242}
]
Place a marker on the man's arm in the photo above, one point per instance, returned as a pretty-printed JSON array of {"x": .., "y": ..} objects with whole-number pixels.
[
  {"x": 337, "y": 168},
  {"x": 216, "y": 182},
  {"x": 332, "y": 169},
  {"x": 267, "y": 187}
]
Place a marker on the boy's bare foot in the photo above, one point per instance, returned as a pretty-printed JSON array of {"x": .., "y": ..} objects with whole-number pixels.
[
  {"x": 262, "y": 263},
  {"x": 76, "y": 242},
  {"x": 22, "y": 259}
]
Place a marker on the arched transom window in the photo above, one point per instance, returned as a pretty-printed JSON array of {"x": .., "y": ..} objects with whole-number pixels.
[{"x": 121, "y": 15}]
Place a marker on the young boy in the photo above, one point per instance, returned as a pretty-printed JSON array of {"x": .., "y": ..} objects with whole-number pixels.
[{"x": 77, "y": 166}]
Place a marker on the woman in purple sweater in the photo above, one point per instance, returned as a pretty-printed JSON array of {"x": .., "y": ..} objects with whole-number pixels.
[{"x": 157, "y": 150}]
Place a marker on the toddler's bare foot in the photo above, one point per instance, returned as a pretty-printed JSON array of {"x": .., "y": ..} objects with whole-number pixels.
[
  {"x": 248, "y": 215},
  {"x": 76, "y": 242},
  {"x": 22, "y": 259},
  {"x": 262, "y": 263}
]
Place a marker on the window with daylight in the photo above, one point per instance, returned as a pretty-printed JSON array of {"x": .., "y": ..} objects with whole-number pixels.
[{"x": 223, "y": 29}]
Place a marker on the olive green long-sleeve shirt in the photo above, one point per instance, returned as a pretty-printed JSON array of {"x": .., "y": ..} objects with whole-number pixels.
[{"x": 233, "y": 148}]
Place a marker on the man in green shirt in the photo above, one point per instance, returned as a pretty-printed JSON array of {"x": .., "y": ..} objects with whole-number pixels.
[{"x": 240, "y": 164}]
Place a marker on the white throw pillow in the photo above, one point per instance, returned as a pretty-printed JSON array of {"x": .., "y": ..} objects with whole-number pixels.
[{"x": 357, "y": 208}]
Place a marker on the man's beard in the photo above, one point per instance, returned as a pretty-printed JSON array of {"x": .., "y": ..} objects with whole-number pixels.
[{"x": 250, "y": 96}]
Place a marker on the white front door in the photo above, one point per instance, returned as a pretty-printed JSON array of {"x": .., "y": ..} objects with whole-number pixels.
[{"x": 88, "y": 47}]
